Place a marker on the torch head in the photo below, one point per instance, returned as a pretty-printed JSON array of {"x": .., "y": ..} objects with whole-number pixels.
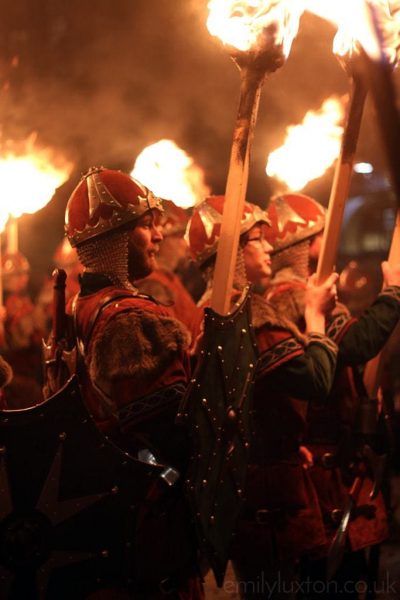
[{"x": 257, "y": 33}]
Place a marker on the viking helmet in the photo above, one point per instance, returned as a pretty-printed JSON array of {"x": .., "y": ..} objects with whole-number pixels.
[
  {"x": 105, "y": 200},
  {"x": 294, "y": 218},
  {"x": 204, "y": 228}
]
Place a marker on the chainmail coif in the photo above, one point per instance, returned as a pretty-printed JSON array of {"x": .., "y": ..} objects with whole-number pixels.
[
  {"x": 108, "y": 255},
  {"x": 295, "y": 257},
  {"x": 239, "y": 278}
]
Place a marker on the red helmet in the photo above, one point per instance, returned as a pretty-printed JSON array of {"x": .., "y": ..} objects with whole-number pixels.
[
  {"x": 105, "y": 200},
  {"x": 204, "y": 228},
  {"x": 174, "y": 219},
  {"x": 14, "y": 264},
  {"x": 293, "y": 217}
]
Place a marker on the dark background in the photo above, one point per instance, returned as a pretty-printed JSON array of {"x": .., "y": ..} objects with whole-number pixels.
[{"x": 99, "y": 80}]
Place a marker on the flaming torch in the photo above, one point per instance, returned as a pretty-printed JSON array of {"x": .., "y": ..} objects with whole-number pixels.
[
  {"x": 258, "y": 35},
  {"x": 309, "y": 148},
  {"x": 377, "y": 30},
  {"x": 171, "y": 173},
  {"x": 29, "y": 177},
  {"x": 351, "y": 45},
  {"x": 3, "y": 220}
]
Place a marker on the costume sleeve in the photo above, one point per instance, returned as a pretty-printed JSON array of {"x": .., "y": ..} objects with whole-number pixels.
[
  {"x": 367, "y": 336},
  {"x": 305, "y": 372}
]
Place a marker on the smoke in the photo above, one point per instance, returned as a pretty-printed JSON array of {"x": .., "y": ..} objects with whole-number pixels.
[{"x": 100, "y": 80}]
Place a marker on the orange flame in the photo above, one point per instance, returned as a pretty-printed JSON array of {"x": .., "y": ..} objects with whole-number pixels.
[
  {"x": 353, "y": 20},
  {"x": 310, "y": 148},
  {"x": 3, "y": 219},
  {"x": 170, "y": 173},
  {"x": 241, "y": 24},
  {"x": 29, "y": 176}
]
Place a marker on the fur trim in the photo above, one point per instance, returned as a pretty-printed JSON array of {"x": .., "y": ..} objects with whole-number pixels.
[
  {"x": 288, "y": 300},
  {"x": 6, "y": 372},
  {"x": 265, "y": 313},
  {"x": 138, "y": 344}
]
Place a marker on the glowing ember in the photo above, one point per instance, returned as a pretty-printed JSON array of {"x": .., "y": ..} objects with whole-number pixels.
[
  {"x": 354, "y": 22},
  {"x": 310, "y": 148},
  {"x": 170, "y": 173},
  {"x": 244, "y": 24},
  {"x": 29, "y": 176}
]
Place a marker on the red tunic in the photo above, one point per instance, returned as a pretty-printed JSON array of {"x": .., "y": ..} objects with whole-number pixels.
[{"x": 134, "y": 366}]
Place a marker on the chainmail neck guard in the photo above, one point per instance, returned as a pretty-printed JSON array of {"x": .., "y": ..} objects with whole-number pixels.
[
  {"x": 108, "y": 255},
  {"x": 239, "y": 278},
  {"x": 295, "y": 257}
]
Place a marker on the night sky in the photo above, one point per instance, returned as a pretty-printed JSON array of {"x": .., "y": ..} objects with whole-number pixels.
[{"x": 99, "y": 80}]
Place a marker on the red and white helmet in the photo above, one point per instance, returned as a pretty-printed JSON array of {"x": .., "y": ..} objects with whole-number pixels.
[
  {"x": 105, "y": 200},
  {"x": 293, "y": 218},
  {"x": 204, "y": 228}
]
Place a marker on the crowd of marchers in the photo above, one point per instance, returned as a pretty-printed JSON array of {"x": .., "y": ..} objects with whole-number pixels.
[{"x": 140, "y": 273}]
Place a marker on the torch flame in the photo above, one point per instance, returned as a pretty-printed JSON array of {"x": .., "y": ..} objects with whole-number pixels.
[
  {"x": 3, "y": 219},
  {"x": 170, "y": 173},
  {"x": 353, "y": 18},
  {"x": 241, "y": 24},
  {"x": 310, "y": 148},
  {"x": 29, "y": 176}
]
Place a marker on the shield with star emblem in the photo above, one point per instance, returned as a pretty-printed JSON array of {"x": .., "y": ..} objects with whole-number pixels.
[
  {"x": 217, "y": 407},
  {"x": 70, "y": 502}
]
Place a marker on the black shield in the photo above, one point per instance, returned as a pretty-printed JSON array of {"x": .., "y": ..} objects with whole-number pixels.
[
  {"x": 217, "y": 405},
  {"x": 70, "y": 501}
]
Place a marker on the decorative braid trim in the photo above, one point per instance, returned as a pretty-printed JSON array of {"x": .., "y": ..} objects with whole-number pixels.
[
  {"x": 336, "y": 326},
  {"x": 393, "y": 291},
  {"x": 279, "y": 353},
  {"x": 323, "y": 340},
  {"x": 147, "y": 405}
]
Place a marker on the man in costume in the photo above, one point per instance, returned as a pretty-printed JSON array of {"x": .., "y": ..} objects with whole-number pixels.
[
  {"x": 281, "y": 520},
  {"x": 297, "y": 222},
  {"x": 133, "y": 362}
]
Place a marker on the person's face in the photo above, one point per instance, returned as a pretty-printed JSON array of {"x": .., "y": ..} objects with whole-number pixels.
[
  {"x": 256, "y": 254},
  {"x": 143, "y": 245}
]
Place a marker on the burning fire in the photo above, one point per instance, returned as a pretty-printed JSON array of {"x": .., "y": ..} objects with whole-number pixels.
[
  {"x": 243, "y": 24},
  {"x": 29, "y": 176},
  {"x": 354, "y": 22},
  {"x": 310, "y": 148},
  {"x": 170, "y": 173},
  {"x": 3, "y": 219}
]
